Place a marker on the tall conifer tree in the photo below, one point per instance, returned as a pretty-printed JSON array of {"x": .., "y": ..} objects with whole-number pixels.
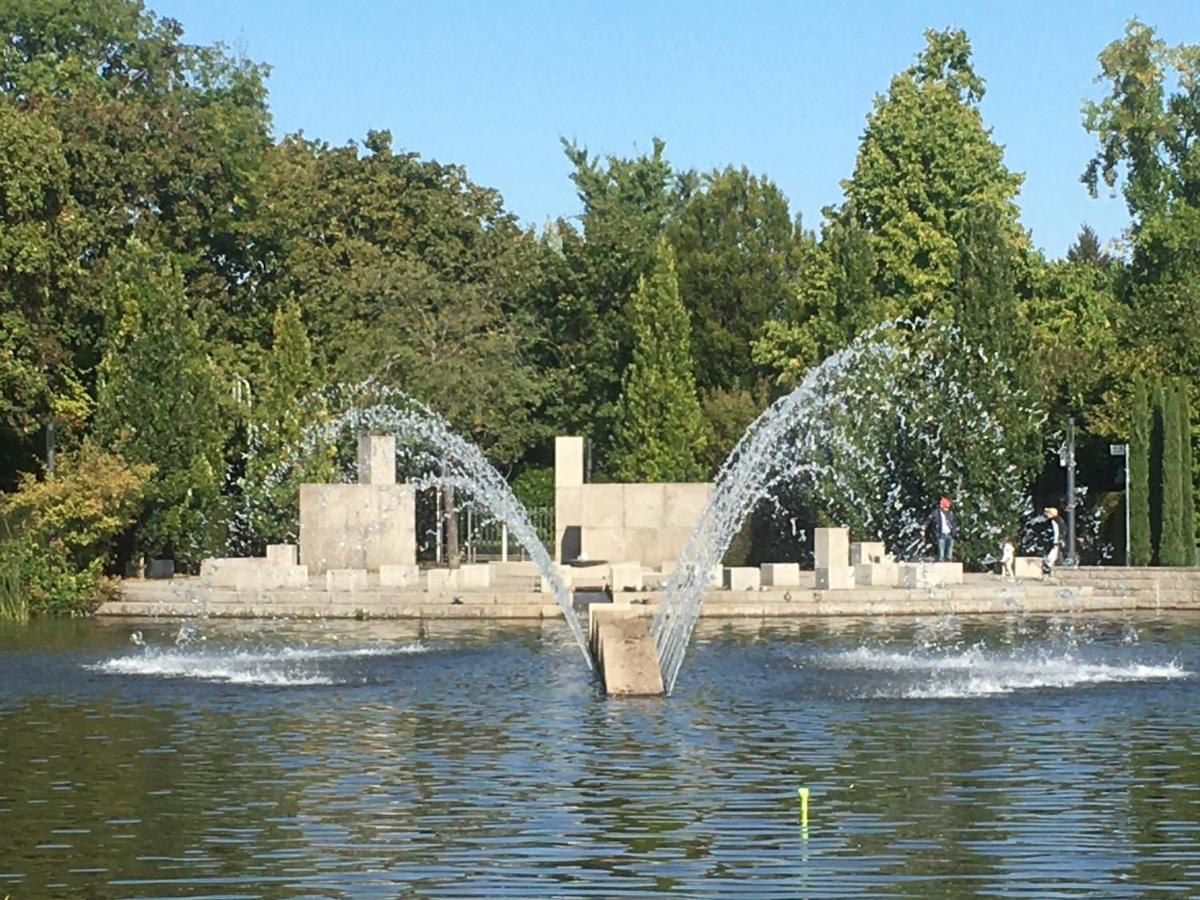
[
  {"x": 1170, "y": 548},
  {"x": 1140, "y": 549},
  {"x": 659, "y": 428},
  {"x": 1187, "y": 519}
]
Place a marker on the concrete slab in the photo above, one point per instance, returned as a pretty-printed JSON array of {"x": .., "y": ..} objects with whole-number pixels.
[
  {"x": 877, "y": 574},
  {"x": 742, "y": 578},
  {"x": 1028, "y": 567},
  {"x": 624, "y": 577},
  {"x": 399, "y": 575},
  {"x": 835, "y": 578},
  {"x": 473, "y": 575},
  {"x": 284, "y": 554},
  {"x": 346, "y": 580},
  {"x": 251, "y": 574},
  {"x": 831, "y": 548},
  {"x": 780, "y": 574},
  {"x": 862, "y": 552},
  {"x": 624, "y": 651}
]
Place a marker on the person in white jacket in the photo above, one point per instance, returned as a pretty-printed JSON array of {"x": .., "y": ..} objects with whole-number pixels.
[{"x": 1057, "y": 540}]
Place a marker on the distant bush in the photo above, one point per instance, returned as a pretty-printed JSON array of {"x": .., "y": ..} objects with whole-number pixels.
[
  {"x": 534, "y": 487},
  {"x": 59, "y": 532}
]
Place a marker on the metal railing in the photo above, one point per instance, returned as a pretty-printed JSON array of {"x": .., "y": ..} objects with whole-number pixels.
[{"x": 484, "y": 540}]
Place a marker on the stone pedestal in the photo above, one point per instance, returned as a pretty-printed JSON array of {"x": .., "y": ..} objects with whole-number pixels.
[
  {"x": 474, "y": 575},
  {"x": 624, "y": 651},
  {"x": 399, "y": 575},
  {"x": 251, "y": 574},
  {"x": 877, "y": 574},
  {"x": 377, "y": 459},
  {"x": 930, "y": 575},
  {"x": 831, "y": 548},
  {"x": 566, "y": 574},
  {"x": 438, "y": 581},
  {"x": 742, "y": 578},
  {"x": 346, "y": 580},
  {"x": 1028, "y": 567},
  {"x": 862, "y": 552},
  {"x": 357, "y": 526},
  {"x": 284, "y": 554},
  {"x": 625, "y": 577},
  {"x": 835, "y": 578},
  {"x": 780, "y": 574}
]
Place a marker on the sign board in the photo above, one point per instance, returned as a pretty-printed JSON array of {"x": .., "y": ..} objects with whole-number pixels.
[{"x": 1117, "y": 449}]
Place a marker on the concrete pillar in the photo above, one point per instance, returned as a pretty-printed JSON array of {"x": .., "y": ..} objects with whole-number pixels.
[
  {"x": 377, "y": 459},
  {"x": 568, "y": 498},
  {"x": 832, "y": 548}
]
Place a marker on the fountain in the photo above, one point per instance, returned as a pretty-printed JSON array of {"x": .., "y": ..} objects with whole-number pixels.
[
  {"x": 814, "y": 436},
  {"x": 426, "y": 444}
]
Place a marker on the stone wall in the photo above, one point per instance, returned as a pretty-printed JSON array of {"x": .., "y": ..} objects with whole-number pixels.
[{"x": 619, "y": 522}]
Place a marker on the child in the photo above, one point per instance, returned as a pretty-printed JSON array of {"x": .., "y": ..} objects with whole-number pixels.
[{"x": 1008, "y": 560}]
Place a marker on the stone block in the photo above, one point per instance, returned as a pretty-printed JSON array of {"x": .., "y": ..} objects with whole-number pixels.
[
  {"x": 474, "y": 575},
  {"x": 625, "y": 576},
  {"x": 930, "y": 575},
  {"x": 862, "y": 552},
  {"x": 251, "y": 574},
  {"x": 876, "y": 574},
  {"x": 831, "y": 548},
  {"x": 684, "y": 504},
  {"x": 603, "y": 506},
  {"x": 514, "y": 568},
  {"x": 624, "y": 650},
  {"x": 285, "y": 554},
  {"x": 568, "y": 461},
  {"x": 1028, "y": 567},
  {"x": 357, "y": 526},
  {"x": 835, "y": 578},
  {"x": 346, "y": 580},
  {"x": 742, "y": 578},
  {"x": 399, "y": 575},
  {"x": 645, "y": 505},
  {"x": 780, "y": 574},
  {"x": 438, "y": 581},
  {"x": 567, "y": 576},
  {"x": 377, "y": 459}
]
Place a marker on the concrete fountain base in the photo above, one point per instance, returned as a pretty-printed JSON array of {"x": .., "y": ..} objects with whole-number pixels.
[{"x": 624, "y": 651}]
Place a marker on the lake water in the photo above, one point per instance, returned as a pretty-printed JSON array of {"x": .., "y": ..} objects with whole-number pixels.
[{"x": 1001, "y": 757}]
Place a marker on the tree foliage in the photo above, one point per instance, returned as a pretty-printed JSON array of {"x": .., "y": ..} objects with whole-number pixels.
[{"x": 660, "y": 431}]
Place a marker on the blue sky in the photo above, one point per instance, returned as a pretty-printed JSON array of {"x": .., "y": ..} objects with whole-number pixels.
[{"x": 783, "y": 88}]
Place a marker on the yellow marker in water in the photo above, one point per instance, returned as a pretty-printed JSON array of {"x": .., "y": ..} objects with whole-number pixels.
[{"x": 803, "y": 807}]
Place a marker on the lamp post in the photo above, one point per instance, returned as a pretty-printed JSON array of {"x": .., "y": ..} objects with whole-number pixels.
[{"x": 1070, "y": 464}]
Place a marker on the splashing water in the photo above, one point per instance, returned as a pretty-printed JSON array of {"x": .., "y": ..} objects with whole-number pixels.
[
  {"x": 426, "y": 445},
  {"x": 813, "y": 436}
]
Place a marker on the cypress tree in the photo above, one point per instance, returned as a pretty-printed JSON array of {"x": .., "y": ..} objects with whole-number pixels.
[
  {"x": 1187, "y": 478},
  {"x": 1170, "y": 549},
  {"x": 659, "y": 427},
  {"x": 1154, "y": 478},
  {"x": 1139, "y": 479}
]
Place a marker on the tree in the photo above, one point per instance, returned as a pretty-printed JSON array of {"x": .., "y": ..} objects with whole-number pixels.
[
  {"x": 735, "y": 243},
  {"x": 1140, "y": 547},
  {"x": 1187, "y": 517},
  {"x": 159, "y": 402},
  {"x": 112, "y": 128},
  {"x": 627, "y": 205},
  {"x": 926, "y": 169},
  {"x": 1170, "y": 547},
  {"x": 1086, "y": 250},
  {"x": 659, "y": 431}
]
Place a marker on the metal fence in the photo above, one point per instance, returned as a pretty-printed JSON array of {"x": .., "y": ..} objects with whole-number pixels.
[{"x": 482, "y": 540}]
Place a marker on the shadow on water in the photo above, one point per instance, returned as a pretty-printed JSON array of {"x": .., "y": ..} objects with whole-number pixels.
[{"x": 1021, "y": 756}]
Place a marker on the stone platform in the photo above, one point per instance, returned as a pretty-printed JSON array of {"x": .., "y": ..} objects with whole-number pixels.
[{"x": 517, "y": 596}]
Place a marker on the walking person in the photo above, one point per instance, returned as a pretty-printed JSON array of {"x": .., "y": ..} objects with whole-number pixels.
[
  {"x": 1058, "y": 540},
  {"x": 944, "y": 525}
]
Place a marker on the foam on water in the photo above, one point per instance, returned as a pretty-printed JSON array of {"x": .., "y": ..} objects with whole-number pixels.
[
  {"x": 978, "y": 671},
  {"x": 275, "y": 666}
]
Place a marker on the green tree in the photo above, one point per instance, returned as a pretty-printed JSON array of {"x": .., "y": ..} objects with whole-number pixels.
[
  {"x": 735, "y": 243},
  {"x": 285, "y": 405},
  {"x": 659, "y": 428},
  {"x": 112, "y": 128},
  {"x": 927, "y": 169},
  {"x": 1170, "y": 547},
  {"x": 160, "y": 403},
  {"x": 1187, "y": 485},
  {"x": 1140, "y": 547}
]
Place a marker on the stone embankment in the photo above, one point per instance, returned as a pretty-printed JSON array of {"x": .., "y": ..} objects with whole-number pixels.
[{"x": 515, "y": 591}]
